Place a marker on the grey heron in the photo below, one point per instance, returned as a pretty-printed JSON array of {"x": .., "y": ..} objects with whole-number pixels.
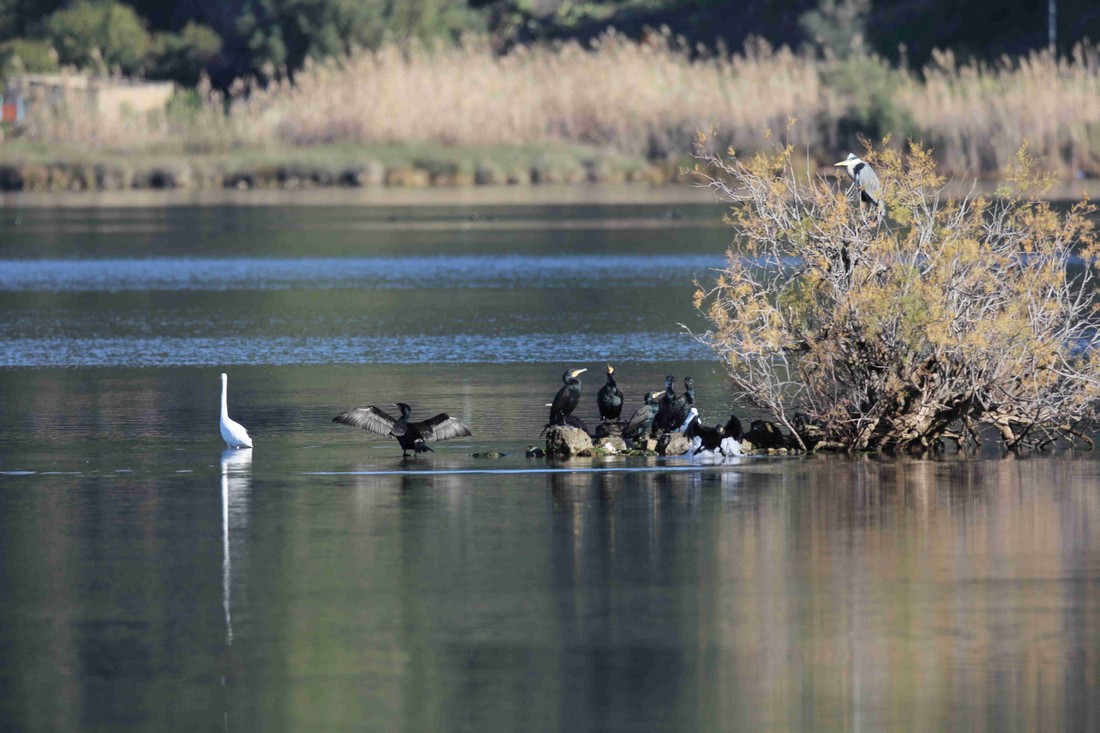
[{"x": 866, "y": 180}]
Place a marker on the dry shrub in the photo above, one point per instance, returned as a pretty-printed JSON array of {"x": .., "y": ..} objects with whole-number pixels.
[{"x": 950, "y": 315}]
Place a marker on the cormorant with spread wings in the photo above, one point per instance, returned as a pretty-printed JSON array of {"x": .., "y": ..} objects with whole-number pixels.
[{"x": 412, "y": 436}]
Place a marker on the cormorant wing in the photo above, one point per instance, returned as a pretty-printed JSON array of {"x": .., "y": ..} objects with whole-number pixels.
[
  {"x": 637, "y": 419},
  {"x": 442, "y": 427},
  {"x": 369, "y": 418},
  {"x": 575, "y": 422},
  {"x": 559, "y": 400}
]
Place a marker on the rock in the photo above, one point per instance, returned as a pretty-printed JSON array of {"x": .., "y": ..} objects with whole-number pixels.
[
  {"x": 563, "y": 441},
  {"x": 489, "y": 454},
  {"x": 533, "y": 451},
  {"x": 613, "y": 445},
  {"x": 673, "y": 444},
  {"x": 747, "y": 446},
  {"x": 649, "y": 444},
  {"x": 609, "y": 427},
  {"x": 366, "y": 173}
]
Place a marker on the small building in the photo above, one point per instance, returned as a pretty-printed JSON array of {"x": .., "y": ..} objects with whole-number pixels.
[
  {"x": 11, "y": 112},
  {"x": 106, "y": 98}
]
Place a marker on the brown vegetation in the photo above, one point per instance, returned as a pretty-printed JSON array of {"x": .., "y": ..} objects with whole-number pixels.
[
  {"x": 644, "y": 100},
  {"x": 949, "y": 316}
]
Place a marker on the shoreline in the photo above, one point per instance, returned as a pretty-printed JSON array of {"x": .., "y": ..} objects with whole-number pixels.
[
  {"x": 547, "y": 194},
  {"x": 398, "y": 174},
  {"x": 597, "y": 194}
]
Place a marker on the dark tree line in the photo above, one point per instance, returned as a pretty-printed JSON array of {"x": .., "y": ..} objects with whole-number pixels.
[{"x": 228, "y": 39}]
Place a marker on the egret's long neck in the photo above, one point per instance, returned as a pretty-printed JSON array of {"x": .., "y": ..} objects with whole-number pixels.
[{"x": 225, "y": 408}]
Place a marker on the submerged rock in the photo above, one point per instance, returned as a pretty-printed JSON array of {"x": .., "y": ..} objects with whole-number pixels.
[
  {"x": 563, "y": 441},
  {"x": 488, "y": 454}
]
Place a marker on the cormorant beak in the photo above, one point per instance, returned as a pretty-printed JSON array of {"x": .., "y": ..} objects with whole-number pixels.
[
  {"x": 610, "y": 369},
  {"x": 658, "y": 394},
  {"x": 578, "y": 372}
]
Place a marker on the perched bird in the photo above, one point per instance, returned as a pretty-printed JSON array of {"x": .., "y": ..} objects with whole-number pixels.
[
  {"x": 733, "y": 428},
  {"x": 866, "y": 181},
  {"x": 411, "y": 436},
  {"x": 565, "y": 401},
  {"x": 683, "y": 405},
  {"x": 665, "y": 419},
  {"x": 609, "y": 399},
  {"x": 641, "y": 422},
  {"x": 233, "y": 433},
  {"x": 710, "y": 439}
]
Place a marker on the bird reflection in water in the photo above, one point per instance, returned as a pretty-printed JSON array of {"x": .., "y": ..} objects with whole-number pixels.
[{"x": 236, "y": 467}]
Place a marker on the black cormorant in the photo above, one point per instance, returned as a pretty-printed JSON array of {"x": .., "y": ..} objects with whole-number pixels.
[
  {"x": 412, "y": 436},
  {"x": 665, "y": 417},
  {"x": 609, "y": 399},
  {"x": 681, "y": 408},
  {"x": 733, "y": 428},
  {"x": 565, "y": 401},
  {"x": 710, "y": 438},
  {"x": 641, "y": 422}
]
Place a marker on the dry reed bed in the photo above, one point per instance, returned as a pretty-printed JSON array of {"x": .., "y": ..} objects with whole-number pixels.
[{"x": 642, "y": 99}]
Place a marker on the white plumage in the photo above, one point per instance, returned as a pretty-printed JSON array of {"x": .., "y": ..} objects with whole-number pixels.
[{"x": 233, "y": 433}]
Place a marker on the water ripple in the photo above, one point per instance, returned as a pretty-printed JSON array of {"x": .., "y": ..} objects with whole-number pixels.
[
  {"x": 457, "y": 349},
  {"x": 504, "y": 271}
]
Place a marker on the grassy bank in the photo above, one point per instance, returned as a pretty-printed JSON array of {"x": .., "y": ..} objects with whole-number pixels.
[
  {"x": 37, "y": 166},
  {"x": 616, "y": 111}
]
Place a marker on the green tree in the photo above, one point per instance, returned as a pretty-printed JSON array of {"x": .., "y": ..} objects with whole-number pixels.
[
  {"x": 18, "y": 18},
  {"x": 183, "y": 56},
  {"x": 22, "y": 54},
  {"x": 281, "y": 35},
  {"x": 950, "y": 316},
  {"x": 90, "y": 34}
]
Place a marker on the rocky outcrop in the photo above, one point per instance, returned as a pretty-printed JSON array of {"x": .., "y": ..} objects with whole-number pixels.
[
  {"x": 612, "y": 445},
  {"x": 609, "y": 428},
  {"x": 563, "y": 441},
  {"x": 673, "y": 444}
]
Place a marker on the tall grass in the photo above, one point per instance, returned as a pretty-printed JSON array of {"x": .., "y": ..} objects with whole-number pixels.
[{"x": 645, "y": 99}]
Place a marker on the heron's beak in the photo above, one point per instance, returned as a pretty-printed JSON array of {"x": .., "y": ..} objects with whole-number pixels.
[
  {"x": 843, "y": 163},
  {"x": 578, "y": 372}
]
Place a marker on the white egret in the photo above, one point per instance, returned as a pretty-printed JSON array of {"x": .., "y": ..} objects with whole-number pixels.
[{"x": 233, "y": 433}]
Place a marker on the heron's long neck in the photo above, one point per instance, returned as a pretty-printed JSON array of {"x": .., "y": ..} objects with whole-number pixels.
[{"x": 225, "y": 408}]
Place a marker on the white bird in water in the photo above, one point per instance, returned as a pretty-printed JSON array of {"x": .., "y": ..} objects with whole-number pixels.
[{"x": 233, "y": 433}]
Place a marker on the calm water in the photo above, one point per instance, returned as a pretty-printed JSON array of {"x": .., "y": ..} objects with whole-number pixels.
[{"x": 149, "y": 581}]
